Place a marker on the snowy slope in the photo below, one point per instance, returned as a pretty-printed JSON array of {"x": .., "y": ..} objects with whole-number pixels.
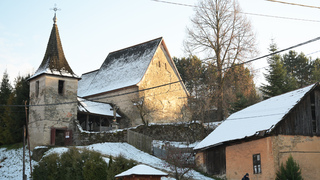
[{"x": 13, "y": 165}]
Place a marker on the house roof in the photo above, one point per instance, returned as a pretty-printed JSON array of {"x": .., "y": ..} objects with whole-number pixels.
[
  {"x": 122, "y": 68},
  {"x": 142, "y": 169},
  {"x": 95, "y": 107},
  {"x": 54, "y": 61},
  {"x": 248, "y": 122}
]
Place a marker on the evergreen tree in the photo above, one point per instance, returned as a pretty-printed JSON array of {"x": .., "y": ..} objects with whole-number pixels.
[
  {"x": 5, "y": 88},
  {"x": 5, "y": 91},
  {"x": 298, "y": 66},
  {"x": 241, "y": 90},
  {"x": 191, "y": 71},
  {"x": 14, "y": 117},
  {"x": 279, "y": 81},
  {"x": 315, "y": 71},
  {"x": 291, "y": 171}
]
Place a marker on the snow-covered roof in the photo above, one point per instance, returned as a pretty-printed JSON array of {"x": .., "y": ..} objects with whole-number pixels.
[
  {"x": 262, "y": 116},
  {"x": 95, "y": 107},
  {"x": 85, "y": 81},
  {"x": 142, "y": 169},
  {"x": 121, "y": 69}
]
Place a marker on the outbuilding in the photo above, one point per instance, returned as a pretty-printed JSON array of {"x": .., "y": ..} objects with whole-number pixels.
[{"x": 141, "y": 172}]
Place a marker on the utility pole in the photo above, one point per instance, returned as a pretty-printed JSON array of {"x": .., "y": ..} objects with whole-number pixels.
[
  {"x": 25, "y": 105},
  {"x": 24, "y": 177}
]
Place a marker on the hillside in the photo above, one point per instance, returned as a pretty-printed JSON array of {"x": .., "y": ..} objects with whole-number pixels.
[{"x": 12, "y": 165}]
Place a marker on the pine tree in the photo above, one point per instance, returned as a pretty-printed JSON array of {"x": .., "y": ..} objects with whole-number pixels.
[
  {"x": 240, "y": 90},
  {"x": 5, "y": 92},
  {"x": 315, "y": 71},
  {"x": 5, "y": 88},
  {"x": 14, "y": 117},
  {"x": 298, "y": 66},
  {"x": 279, "y": 81},
  {"x": 291, "y": 171}
]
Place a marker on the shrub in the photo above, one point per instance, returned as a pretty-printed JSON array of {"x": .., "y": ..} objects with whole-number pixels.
[
  {"x": 80, "y": 165},
  {"x": 118, "y": 165},
  {"x": 48, "y": 168},
  {"x": 291, "y": 171},
  {"x": 71, "y": 165}
]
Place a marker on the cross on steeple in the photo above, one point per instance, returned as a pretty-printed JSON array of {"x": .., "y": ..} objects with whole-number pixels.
[{"x": 55, "y": 9}]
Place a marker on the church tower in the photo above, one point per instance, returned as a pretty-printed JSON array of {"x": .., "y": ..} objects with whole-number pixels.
[{"x": 53, "y": 97}]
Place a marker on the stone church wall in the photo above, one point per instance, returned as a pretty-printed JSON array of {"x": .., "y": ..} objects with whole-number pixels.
[{"x": 43, "y": 118}]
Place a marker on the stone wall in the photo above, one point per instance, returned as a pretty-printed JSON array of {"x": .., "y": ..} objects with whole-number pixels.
[
  {"x": 166, "y": 103},
  {"x": 170, "y": 132},
  {"x": 162, "y": 104},
  {"x": 43, "y": 118}
]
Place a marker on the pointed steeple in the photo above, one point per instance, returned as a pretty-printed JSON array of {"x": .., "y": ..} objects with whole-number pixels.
[{"x": 54, "y": 61}]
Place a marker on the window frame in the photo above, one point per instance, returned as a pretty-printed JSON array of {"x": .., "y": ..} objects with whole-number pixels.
[
  {"x": 37, "y": 88},
  {"x": 61, "y": 84},
  {"x": 256, "y": 159}
]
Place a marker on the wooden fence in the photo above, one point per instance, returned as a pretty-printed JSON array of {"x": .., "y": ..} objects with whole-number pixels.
[{"x": 140, "y": 141}]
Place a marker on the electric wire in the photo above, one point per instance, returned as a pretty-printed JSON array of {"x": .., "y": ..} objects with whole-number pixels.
[
  {"x": 254, "y": 14},
  {"x": 295, "y": 4},
  {"x": 276, "y": 52},
  {"x": 137, "y": 91}
]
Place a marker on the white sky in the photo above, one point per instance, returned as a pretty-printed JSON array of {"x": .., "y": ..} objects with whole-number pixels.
[{"x": 89, "y": 30}]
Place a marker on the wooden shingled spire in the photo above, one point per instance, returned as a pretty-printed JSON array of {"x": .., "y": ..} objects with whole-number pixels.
[{"x": 54, "y": 61}]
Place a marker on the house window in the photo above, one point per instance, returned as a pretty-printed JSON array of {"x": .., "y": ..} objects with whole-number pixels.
[
  {"x": 159, "y": 64},
  {"x": 61, "y": 87},
  {"x": 37, "y": 88},
  {"x": 256, "y": 164}
]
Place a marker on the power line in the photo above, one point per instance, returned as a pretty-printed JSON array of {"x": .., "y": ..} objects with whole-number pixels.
[
  {"x": 276, "y": 52},
  {"x": 295, "y": 4},
  {"x": 254, "y": 14},
  {"x": 93, "y": 99}
]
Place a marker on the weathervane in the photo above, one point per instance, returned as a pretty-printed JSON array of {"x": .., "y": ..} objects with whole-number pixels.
[{"x": 55, "y": 9}]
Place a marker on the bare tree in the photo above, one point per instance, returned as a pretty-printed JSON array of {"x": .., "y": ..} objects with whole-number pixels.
[
  {"x": 180, "y": 162},
  {"x": 145, "y": 111},
  {"x": 223, "y": 34}
]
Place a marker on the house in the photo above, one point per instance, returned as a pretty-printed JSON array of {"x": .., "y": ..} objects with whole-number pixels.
[
  {"x": 141, "y": 76},
  {"x": 141, "y": 172},
  {"x": 257, "y": 139},
  {"x": 141, "y": 80}
]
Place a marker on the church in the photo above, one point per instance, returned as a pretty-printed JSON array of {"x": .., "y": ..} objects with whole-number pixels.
[{"x": 135, "y": 85}]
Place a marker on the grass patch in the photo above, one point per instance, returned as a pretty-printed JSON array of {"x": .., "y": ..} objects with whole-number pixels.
[{"x": 12, "y": 146}]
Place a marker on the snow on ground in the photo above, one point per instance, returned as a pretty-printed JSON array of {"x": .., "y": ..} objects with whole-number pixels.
[
  {"x": 161, "y": 144},
  {"x": 13, "y": 164}
]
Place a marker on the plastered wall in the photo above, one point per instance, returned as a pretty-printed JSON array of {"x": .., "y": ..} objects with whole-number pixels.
[
  {"x": 304, "y": 149},
  {"x": 43, "y": 118},
  {"x": 239, "y": 159}
]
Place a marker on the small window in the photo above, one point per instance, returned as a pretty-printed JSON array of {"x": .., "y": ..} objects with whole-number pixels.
[
  {"x": 159, "y": 64},
  {"x": 61, "y": 87},
  {"x": 256, "y": 164},
  {"x": 37, "y": 88}
]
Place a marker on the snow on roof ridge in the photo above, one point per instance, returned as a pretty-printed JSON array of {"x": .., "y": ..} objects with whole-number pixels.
[
  {"x": 128, "y": 64},
  {"x": 142, "y": 169},
  {"x": 255, "y": 118}
]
